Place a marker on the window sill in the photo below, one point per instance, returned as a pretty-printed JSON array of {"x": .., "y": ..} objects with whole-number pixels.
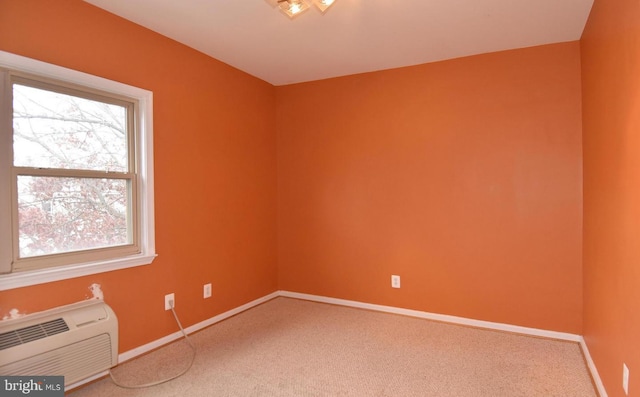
[{"x": 28, "y": 278}]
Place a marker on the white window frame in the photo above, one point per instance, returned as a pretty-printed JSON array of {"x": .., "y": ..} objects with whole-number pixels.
[{"x": 144, "y": 155}]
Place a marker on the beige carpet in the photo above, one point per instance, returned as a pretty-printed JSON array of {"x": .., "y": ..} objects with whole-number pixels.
[{"x": 289, "y": 347}]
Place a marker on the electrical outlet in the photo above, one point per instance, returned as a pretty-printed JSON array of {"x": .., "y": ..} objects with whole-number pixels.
[
  {"x": 625, "y": 378},
  {"x": 169, "y": 301},
  {"x": 395, "y": 281},
  {"x": 206, "y": 291}
]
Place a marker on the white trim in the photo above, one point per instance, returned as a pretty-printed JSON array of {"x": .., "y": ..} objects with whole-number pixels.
[
  {"x": 128, "y": 355},
  {"x": 146, "y": 182},
  {"x": 34, "y": 277},
  {"x": 464, "y": 321},
  {"x": 86, "y": 380},
  {"x": 138, "y": 351},
  {"x": 44, "y": 69},
  {"x": 6, "y": 161},
  {"x": 602, "y": 392},
  {"x": 437, "y": 317}
]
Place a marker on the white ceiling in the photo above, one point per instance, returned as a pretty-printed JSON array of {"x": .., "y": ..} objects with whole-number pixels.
[{"x": 353, "y": 36}]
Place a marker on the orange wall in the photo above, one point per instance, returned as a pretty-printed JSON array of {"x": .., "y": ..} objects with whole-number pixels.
[
  {"x": 215, "y": 168},
  {"x": 611, "y": 101},
  {"x": 464, "y": 177}
]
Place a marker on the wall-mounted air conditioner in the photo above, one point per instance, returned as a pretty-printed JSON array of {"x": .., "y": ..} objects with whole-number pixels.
[{"x": 75, "y": 341}]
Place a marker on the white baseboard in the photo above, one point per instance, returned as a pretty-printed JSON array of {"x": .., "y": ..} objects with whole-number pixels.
[
  {"x": 133, "y": 353},
  {"x": 128, "y": 355},
  {"x": 592, "y": 368},
  {"x": 463, "y": 321},
  {"x": 438, "y": 317},
  {"x": 86, "y": 380}
]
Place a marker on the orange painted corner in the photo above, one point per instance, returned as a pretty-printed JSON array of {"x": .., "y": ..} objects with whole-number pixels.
[{"x": 462, "y": 176}]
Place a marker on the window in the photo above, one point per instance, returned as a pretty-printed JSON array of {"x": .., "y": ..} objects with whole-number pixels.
[{"x": 76, "y": 180}]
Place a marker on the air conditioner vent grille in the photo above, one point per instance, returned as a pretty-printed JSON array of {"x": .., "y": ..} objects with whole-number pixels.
[{"x": 31, "y": 333}]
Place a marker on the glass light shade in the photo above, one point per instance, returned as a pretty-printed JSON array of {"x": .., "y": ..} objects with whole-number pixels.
[
  {"x": 293, "y": 7},
  {"x": 323, "y": 4}
]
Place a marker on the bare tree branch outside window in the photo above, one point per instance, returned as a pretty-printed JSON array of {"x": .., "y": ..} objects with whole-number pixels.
[{"x": 57, "y": 131}]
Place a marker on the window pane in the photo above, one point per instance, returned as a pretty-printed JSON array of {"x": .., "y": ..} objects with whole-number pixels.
[
  {"x": 58, "y": 214},
  {"x": 53, "y": 130}
]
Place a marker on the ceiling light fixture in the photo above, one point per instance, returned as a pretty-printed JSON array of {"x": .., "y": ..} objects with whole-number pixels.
[{"x": 296, "y": 7}]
